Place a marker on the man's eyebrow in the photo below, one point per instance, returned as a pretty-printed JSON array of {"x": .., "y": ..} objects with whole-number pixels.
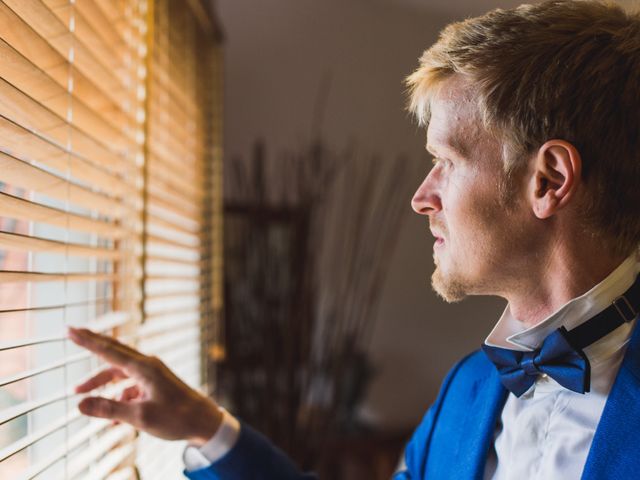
[{"x": 456, "y": 148}]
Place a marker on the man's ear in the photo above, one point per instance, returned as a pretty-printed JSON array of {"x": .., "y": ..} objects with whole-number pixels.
[{"x": 557, "y": 169}]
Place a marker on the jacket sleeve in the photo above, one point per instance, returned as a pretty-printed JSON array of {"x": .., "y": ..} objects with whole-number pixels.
[
  {"x": 417, "y": 450},
  {"x": 252, "y": 458},
  {"x": 255, "y": 458}
]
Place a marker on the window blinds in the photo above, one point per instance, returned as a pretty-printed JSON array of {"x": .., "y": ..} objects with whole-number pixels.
[
  {"x": 109, "y": 203},
  {"x": 178, "y": 207}
]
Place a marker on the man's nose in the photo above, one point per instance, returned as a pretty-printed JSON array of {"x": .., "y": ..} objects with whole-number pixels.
[{"x": 426, "y": 200}]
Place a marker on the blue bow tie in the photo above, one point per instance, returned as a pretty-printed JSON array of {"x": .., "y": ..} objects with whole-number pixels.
[
  {"x": 561, "y": 354},
  {"x": 556, "y": 358}
]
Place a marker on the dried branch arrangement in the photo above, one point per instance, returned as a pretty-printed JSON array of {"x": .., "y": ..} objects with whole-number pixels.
[{"x": 308, "y": 239}]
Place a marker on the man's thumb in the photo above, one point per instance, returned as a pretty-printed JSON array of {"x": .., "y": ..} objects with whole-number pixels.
[{"x": 106, "y": 408}]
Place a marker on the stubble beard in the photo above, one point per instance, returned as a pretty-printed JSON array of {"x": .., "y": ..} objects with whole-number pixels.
[{"x": 451, "y": 288}]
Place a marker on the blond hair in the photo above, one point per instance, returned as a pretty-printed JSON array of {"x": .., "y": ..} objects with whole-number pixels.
[{"x": 559, "y": 69}]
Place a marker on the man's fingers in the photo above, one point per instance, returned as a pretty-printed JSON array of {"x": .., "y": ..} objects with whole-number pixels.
[
  {"x": 130, "y": 393},
  {"x": 98, "y": 343},
  {"x": 110, "y": 349},
  {"x": 111, "y": 409},
  {"x": 109, "y": 375}
]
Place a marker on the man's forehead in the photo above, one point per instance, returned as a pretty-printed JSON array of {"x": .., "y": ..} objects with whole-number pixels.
[
  {"x": 457, "y": 88},
  {"x": 454, "y": 123},
  {"x": 452, "y": 131}
]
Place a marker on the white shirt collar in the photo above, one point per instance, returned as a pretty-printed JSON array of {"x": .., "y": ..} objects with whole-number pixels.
[{"x": 511, "y": 333}]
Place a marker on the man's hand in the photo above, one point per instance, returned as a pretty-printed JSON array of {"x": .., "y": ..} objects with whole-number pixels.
[{"x": 159, "y": 403}]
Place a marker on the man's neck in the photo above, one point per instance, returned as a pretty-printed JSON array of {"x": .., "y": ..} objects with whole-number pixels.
[{"x": 565, "y": 276}]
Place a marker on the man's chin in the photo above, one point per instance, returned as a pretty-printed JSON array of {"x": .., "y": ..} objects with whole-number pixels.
[{"x": 450, "y": 289}]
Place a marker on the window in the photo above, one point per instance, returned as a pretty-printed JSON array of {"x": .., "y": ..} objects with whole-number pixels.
[{"x": 110, "y": 201}]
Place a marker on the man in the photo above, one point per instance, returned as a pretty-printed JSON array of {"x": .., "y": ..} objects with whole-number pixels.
[{"x": 533, "y": 119}]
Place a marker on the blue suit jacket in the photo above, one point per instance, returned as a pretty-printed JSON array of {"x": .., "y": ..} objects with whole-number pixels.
[{"x": 453, "y": 439}]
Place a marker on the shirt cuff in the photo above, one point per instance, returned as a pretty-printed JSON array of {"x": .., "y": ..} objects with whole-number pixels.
[{"x": 217, "y": 447}]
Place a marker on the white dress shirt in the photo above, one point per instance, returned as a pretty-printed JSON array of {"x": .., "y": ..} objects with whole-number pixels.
[
  {"x": 216, "y": 448},
  {"x": 546, "y": 433}
]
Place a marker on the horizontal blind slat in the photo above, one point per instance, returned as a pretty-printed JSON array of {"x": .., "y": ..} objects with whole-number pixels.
[
  {"x": 168, "y": 276},
  {"x": 74, "y": 442},
  {"x": 159, "y": 155},
  {"x": 151, "y": 297},
  {"x": 9, "y": 276},
  {"x": 158, "y": 189},
  {"x": 174, "y": 224},
  {"x": 189, "y": 211},
  {"x": 37, "y": 84},
  {"x": 153, "y": 345},
  {"x": 15, "y": 207},
  {"x": 167, "y": 139},
  {"x": 108, "y": 56},
  {"x": 63, "y": 394},
  {"x": 26, "y": 145},
  {"x": 49, "y": 367},
  {"x": 118, "y": 19},
  {"x": 164, "y": 171},
  {"x": 101, "y": 24},
  {"x": 160, "y": 327},
  {"x": 158, "y": 240},
  {"x": 32, "y": 438},
  {"x": 164, "y": 81},
  {"x": 26, "y": 243},
  {"x": 172, "y": 313},
  {"x": 37, "y": 308},
  {"x": 23, "y": 110},
  {"x": 103, "y": 323},
  {"x": 169, "y": 158},
  {"x": 26, "y": 407},
  {"x": 166, "y": 260},
  {"x": 21, "y": 174},
  {"x": 97, "y": 449},
  {"x": 111, "y": 461},
  {"x": 164, "y": 120}
]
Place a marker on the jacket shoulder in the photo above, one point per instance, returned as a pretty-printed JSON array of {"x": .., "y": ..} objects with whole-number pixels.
[
  {"x": 473, "y": 366},
  {"x": 457, "y": 387}
]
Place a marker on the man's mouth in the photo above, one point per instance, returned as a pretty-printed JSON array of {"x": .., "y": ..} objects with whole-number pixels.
[{"x": 438, "y": 237}]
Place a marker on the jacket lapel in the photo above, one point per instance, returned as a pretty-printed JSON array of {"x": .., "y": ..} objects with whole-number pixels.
[
  {"x": 481, "y": 415},
  {"x": 616, "y": 443}
]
